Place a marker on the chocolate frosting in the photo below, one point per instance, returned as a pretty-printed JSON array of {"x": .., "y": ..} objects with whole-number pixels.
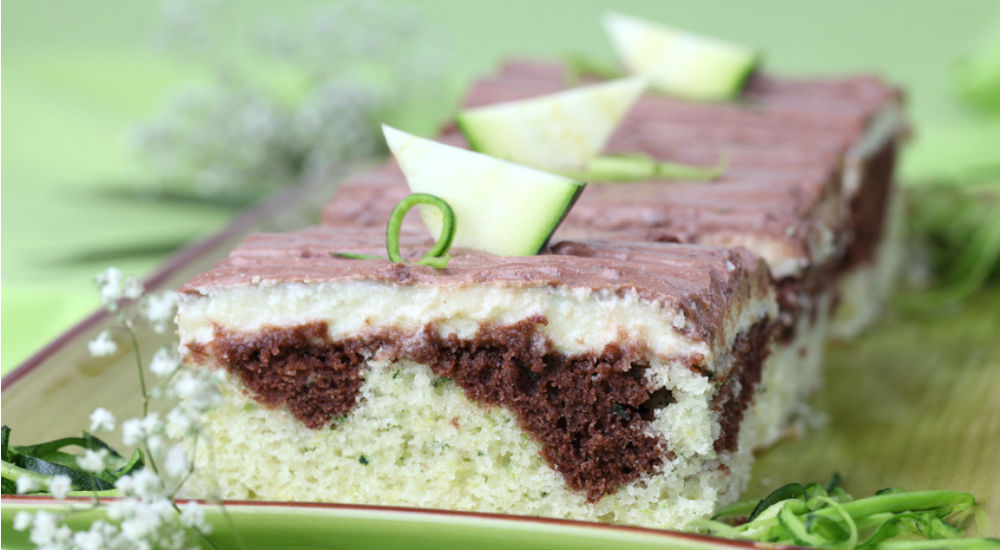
[
  {"x": 792, "y": 215},
  {"x": 785, "y": 142},
  {"x": 706, "y": 283}
]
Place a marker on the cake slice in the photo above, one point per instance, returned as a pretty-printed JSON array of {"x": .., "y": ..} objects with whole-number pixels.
[
  {"x": 791, "y": 216},
  {"x": 793, "y": 128},
  {"x": 601, "y": 380},
  {"x": 786, "y": 223}
]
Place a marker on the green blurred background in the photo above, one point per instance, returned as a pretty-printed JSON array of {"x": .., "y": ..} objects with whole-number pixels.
[{"x": 76, "y": 76}]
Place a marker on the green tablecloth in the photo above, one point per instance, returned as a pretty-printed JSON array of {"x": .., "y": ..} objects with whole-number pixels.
[{"x": 77, "y": 75}]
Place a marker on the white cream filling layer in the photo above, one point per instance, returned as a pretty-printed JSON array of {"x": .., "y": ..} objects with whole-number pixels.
[
  {"x": 578, "y": 320},
  {"x": 864, "y": 289},
  {"x": 884, "y": 127}
]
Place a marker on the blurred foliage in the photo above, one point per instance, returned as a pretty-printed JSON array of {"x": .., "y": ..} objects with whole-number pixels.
[
  {"x": 954, "y": 231},
  {"x": 294, "y": 99},
  {"x": 954, "y": 220},
  {"x": 977, "y": 76}
]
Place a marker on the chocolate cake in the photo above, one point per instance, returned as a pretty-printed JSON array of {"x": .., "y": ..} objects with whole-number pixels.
[
  {"x": 808, "y": 187},
  {"x": 784, "y": 132},
  {"x": 602, "y": 380},
  {"x": 627, "y": 373}
]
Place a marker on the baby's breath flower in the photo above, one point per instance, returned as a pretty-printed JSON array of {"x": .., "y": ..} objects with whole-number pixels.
[
  {"x": 98, "y": 537},
  {"x": 101, "y": 535},
  {"x": 44, "y": 528},
  {"x": 137, "y": 528},
  {"x": 158, "y": 309},
  {"x": 27, "y": 484},
  {"x": 177, "y": 463},
  {"x": 148, "y": 519},
  {"x": 89, "y": 540},
  {"x": 102, "y": 420},
  {"x": 182, "y": 421},
  {"x": 146, "y": 484},
  {"x": 22, "y": 520},
  {"x": 197, "y": 391},
  {"x": 63, "y": 536},
  {"x": 103, "y": 345},
  {"x": 133, "y": 288},
  {"x": 109, "y": 282},
  {"x": 193, "y": 515},
  {"x": 160, "y": 507},
  {"x": 118, "y": 509},
  {"x": 152, "y": 424},
  {"x": 132, "y": 432},
  {"x": 59, "y": 486},
  {"x": 164, "y": 363},
  {"x": 157, "y": 444},
  {"x": 93, "y": 461}
]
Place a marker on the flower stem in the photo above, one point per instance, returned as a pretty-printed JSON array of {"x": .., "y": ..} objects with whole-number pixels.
[{"x": 139, "y": 367}]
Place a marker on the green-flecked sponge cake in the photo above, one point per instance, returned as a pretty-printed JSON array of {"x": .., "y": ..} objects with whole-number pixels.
[{"x": 600, "y": 380}]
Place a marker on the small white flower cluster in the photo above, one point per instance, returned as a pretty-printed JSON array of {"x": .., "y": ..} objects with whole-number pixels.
[
  {"x": 147, "y": 513},
  {"x": 114, "y": 287},
  {"x": 93, "y": 461},
  {"x": 103, "y": 345},
  {"x": 144, "y": 519},
  {"x": 145, "y": 516},
  {"x": 233, "y": 138},
  {"x": 197, "y": 393},
  {"x": 46, "y": 529},
  {"x": 102, "y": 420},
  {"x": 157, "y": 308}
]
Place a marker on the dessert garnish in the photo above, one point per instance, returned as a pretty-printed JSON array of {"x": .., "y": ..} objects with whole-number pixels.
[
  {"x": 36, "y": 465},
  {"x": 437, "y": 257},
  {"x": 678, "y": 62},
  {"x": 826, "y": 516},
  {"x": 502, "y": 208},
  {"x": 564, "y": 132},
  {"x": 627, "y": 167},
  {"x": 555, "y": 132}
]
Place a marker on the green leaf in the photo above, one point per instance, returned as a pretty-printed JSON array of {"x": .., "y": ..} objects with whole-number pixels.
[
  {"x": 798, "y": 530},
  {"x": 826, "y": 516},
  {"x": 814, "y": 490},
  {"x": 44, "y": 460},
  {"x": 834, "y": 483},
  {"x": 12, "y": 473},
  {"x": 785, "y": 492},
  {"x": 887, "y": 530},
  {"x": 79, "y": 479},
  {"x": 4, "y": 440},
  {"x": 976, "y": 76},
  {"x": 826, "y": 527},
  {"x": 134, "y": 463},
  {"x": 740, "y": 509},
  {"x": 44, "y": 450}
]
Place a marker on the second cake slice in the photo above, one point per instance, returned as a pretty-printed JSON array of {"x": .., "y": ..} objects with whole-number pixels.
[{"x": 609, "y": 381}]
